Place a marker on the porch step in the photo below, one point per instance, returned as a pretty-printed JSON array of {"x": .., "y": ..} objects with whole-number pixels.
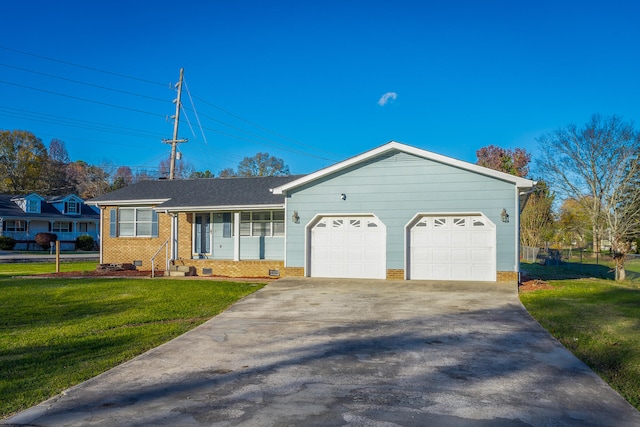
[{"x": 180, "y": 271}]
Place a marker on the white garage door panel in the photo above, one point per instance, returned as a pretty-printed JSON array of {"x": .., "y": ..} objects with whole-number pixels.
[
  {"x": 349, "y": 247},
  {"x": 452, "y": 247}
]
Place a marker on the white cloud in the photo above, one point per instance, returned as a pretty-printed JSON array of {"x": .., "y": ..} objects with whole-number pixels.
[{"x": 386, "y": 98}]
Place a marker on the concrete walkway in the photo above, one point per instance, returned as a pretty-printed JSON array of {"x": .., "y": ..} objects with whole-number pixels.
[{"x": 328, "y": 352}]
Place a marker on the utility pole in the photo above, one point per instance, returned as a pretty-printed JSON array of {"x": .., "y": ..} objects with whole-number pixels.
[{"x": 175, "y": 141}]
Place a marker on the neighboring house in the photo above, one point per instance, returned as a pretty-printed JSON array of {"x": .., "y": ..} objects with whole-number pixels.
[
  {"x": 22, "y": 217},
  {"x": 394, "y": 212}
]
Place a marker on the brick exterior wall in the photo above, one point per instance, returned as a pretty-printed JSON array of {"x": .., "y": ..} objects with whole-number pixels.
[
  {"x": 294, "y": 272},
  {"x": 229, "y": 268},
  {"x": 507, "y": 276},
  {"x": 116, "y": 250},
  {"x": 127, "y": 249},
  {"x": 395, "y": 274}
]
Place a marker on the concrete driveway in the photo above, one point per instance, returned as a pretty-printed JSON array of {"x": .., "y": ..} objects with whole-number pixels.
[{"x": 323, "y": 352}]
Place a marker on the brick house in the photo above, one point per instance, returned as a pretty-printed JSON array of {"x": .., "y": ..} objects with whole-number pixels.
[{"x": 395, "y": 211}]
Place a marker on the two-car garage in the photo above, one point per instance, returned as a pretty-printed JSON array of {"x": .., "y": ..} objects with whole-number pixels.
[
  {"x": 438, "y": 247},
  {"x": 401, "y": 212}
]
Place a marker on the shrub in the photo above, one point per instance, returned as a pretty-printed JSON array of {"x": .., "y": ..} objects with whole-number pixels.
[
  {"x": 7, "y": 243},
  {"x": 85, "y": 243},
  {"x": 45, "y": 239}
]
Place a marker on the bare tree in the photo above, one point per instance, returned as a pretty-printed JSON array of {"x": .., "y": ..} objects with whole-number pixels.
[
  {"x": 595, "y": 164},
  {"x": 89, "y": 181},
  {"x": 536, "y": 220},
  {"x": 56, "y": 176},
  {"x": 621, "y": 215},
  {"x": 227, "y": 173},
  {"x": 262, "y": 164},
  {"x": 182, "y": 170}
]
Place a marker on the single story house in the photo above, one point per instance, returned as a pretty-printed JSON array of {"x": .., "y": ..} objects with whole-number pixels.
[
  {"x": 22, "y": 217},
  {"x": 395, "y": 212}
]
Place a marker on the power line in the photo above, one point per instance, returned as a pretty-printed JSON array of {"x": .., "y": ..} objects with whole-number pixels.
[
  {"x": 273, "y": 144},
  {"x": 259, "y": 140},
  {"x": 71, "y": 122},
  {"x": 263, "y": 128},
  {"x": 81, "y": 66},
  {"x": 81, "y": 99},
  {"x": 85, "y": 83}
]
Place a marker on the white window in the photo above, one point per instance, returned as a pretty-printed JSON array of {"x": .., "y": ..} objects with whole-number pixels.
[
  {"x": 137, "y": 222},
  {"x": 33, "y": 206},
  {"x": 83, "y": 227},
  {"x": 61, "y": 227},
  {"x": 278, "y": 223},
  {"x": 73, "y": 207},
  {"x": 262, "y": 223},
  {"x": 11, "y": 225}
]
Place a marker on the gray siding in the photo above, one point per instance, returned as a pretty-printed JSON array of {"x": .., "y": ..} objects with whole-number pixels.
[{"x": 395, "y": 187}]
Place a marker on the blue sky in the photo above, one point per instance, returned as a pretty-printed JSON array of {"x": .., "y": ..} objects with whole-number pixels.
[{"x": 304, "y": 80}]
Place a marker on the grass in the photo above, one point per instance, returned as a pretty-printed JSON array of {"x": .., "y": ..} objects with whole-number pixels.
[
  {"x": 20, "y": 269},
  {"x": 598, "y": 320},
  {"x": 55, "y": 333},
  {"x": 601, "y": 267}
]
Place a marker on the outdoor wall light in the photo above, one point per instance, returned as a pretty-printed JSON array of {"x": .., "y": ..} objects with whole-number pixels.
[
  {"x": 343, "y": 196},
  {"x": 504, "y": 215},
  {"x": 295, "y": 217}
]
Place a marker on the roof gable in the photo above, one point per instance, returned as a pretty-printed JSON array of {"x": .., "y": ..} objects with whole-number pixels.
[
  {"x": 398, "y": 147},
  {"x": 31, "y": 196},
  {"x": 57, "y": 199}
]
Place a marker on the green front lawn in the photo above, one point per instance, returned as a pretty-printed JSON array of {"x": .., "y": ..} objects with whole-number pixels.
[
  {"x": 55, "y": 333},
  {"x": 596, "y": 319},
  {"x": 21, "y": 269}
]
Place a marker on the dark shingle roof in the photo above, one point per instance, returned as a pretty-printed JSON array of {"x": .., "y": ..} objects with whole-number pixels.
[
  {"x": 207, "y": 192},
  {"x": 10, "y": 209}
]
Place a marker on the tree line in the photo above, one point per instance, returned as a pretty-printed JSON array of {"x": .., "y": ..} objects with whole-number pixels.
[
  {"x": 28, "y": 166},
  {"x": 589, "y": 187}
]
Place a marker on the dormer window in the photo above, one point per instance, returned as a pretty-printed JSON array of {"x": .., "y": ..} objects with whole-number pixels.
[
  {"x": 33, "y": 206},
  {"x": 73, "y": 207}
]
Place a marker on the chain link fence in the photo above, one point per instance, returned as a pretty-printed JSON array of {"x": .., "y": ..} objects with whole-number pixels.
[{"x": 598, "y": 264}]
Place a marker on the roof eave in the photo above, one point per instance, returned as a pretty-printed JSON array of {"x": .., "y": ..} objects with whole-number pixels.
[
  {"x": 393, "y": 145},
  {"x": 127, "y": 202},
  {"x": 225, "y": 208}
]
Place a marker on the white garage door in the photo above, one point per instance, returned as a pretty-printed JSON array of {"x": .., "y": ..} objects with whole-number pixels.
[
  {"x": 349, "y": 247},
  {"x": 453, "y": 248}
]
